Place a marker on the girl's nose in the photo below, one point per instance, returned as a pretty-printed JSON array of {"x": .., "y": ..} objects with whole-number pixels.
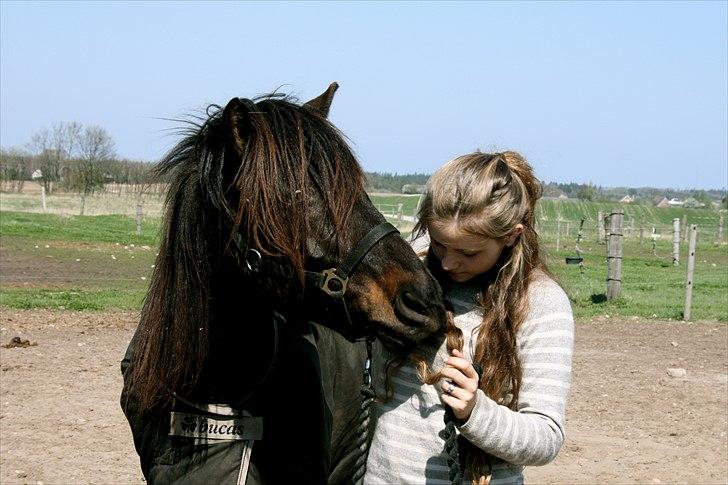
[{"x": 449, "y": 261}]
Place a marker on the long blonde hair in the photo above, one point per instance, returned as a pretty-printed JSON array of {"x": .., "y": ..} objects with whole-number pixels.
[{"x": 488, "y": 195}]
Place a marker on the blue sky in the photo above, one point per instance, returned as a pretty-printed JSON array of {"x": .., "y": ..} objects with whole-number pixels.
[{"x": 617, "y": 93}]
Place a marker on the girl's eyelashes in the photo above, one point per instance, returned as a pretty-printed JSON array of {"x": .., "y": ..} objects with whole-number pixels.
[{"x": 467, "y": 254}]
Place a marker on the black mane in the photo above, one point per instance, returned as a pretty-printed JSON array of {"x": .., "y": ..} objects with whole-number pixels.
[{"x": 247, "y": 179}]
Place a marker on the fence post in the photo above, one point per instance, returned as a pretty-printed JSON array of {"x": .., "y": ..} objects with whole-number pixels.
[
  {"x": 676, "y": 242},
  {"x": 600, "y": 227},
  {"x": 720, "y": 229},
  {"x": 42, "y": 197},
  {"x": 139, "y": 219},
  {"x": 684, "y": 228},
  {"x": 691, "y": 268},
  {"x": 399, "y": 214},
  {"x": 558, "y": 233},
  {"x": 614, "y": 255}
]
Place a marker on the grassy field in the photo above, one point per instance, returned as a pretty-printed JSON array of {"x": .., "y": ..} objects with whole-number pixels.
[{"x": 100, "y": 263}]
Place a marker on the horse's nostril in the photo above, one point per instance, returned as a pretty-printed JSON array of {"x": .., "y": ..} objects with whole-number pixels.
[
  {"x": 411, "y": 309},
  {"x": 413, "y": 302}
]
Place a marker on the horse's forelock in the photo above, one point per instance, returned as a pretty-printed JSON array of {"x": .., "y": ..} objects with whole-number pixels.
[{"x": 290, "y": 156}]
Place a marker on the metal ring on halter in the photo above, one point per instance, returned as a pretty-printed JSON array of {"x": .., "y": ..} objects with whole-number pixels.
[{"x": 256, "y": 262}]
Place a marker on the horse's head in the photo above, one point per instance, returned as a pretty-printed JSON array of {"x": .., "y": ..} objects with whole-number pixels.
[{"x": 295, "y": 195}]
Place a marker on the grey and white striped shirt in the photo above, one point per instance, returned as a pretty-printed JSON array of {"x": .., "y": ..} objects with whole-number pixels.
[{"x": 408, "y": 443}]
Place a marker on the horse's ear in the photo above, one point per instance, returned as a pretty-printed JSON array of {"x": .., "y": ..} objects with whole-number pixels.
[
  {"x": 236, "y": 117},
  {"x": 322, "y": 103}
]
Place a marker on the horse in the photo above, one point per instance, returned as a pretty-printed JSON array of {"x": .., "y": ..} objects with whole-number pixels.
[{"x": 273, "y": 262}]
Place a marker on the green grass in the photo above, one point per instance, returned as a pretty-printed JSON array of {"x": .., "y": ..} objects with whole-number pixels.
[
  {"x": 389, "y": 202},
  {"x": 651, "y": 285},
  {"x": 72, "y": 299},
  {"x": 88, "y": 229},
  {"x": 575, "y": 209},
  {"x": 109, "y": 273}
]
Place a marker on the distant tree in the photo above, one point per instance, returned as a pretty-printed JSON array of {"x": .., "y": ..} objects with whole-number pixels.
[
  {"x": 15, "y": 169},
  {"x": 587, "y": 192},
  {"x": 53, "y": 148},
  {"x": 65, "y": 137},
  {"x": 95, "y": 148},
  {"x": 387, "y": 182},
  {"x": 45, "y": 157}
]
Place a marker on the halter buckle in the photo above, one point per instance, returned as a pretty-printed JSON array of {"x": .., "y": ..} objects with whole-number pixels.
[{"x": 334, "y": 285}]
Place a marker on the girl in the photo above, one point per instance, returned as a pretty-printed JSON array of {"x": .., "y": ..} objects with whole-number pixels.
[{"x": 510, "y": 318}]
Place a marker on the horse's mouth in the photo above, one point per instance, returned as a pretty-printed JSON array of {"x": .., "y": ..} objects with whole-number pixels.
[{"x": 393, "y": 339}]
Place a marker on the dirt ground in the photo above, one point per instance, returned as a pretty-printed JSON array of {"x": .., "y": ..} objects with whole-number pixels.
[{"x": 628, "y": 420}]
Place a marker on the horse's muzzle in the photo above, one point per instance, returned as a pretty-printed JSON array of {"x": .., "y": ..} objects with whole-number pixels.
[{"x": 422, "y": 319}]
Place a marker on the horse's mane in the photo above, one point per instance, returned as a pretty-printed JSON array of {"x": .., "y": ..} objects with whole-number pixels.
[{"x": 245, "y": 175}]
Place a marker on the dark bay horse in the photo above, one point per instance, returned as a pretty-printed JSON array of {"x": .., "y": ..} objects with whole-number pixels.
[{"x": 267, "y": 229}]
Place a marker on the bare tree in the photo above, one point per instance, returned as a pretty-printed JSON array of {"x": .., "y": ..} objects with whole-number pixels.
[
  {"x": 65, "y": 137},
  {"x": 15, "y": 169},
  {"x": 53, "y": 148},
  {"x": 46, "y": 157},
  {"x": 95, "y": 147}
]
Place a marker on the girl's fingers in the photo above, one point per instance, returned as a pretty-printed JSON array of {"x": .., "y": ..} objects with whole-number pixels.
[
  {"x": 458, "y": 406},
  {"x": 456, "y": 391},
  {"x": 463, "y": 365},
  {"x": 460, "y": 379}
]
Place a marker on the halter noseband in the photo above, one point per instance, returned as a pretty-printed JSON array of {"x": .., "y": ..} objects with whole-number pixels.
[{"x": 333, "y": 281}]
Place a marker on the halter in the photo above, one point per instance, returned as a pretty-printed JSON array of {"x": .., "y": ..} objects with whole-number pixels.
[
  {"x": 330, "y": 284},
  {"x": 333, "y": 281}
]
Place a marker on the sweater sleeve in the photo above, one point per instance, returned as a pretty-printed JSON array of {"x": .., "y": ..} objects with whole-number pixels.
[{"x": 534, "y": 433}]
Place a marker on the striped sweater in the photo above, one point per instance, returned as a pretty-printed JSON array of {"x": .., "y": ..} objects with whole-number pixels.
[{"x": 408, "y": 444}]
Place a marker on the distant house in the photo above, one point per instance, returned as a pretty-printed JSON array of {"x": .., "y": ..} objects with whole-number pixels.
[
  {"x": 627, "y": 199},
  {"x": 664, "y": 203},
  {"x": 675, "y": 202},
  {"x": 552, "y": 192}
]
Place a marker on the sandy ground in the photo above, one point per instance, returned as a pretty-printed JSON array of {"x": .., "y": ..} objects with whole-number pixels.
[{"x": 628, "y": 420}]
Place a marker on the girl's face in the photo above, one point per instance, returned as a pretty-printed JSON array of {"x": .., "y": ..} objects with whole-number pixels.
[{"x": 464, "y": 256}]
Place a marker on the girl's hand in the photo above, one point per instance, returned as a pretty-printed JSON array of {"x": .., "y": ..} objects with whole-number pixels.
[{"x": 459, "y": 386}]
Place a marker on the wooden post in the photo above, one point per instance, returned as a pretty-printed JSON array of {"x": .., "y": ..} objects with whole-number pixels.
[
  {"x": 685, "y": 228},
  {"x": 600, "y": 227},
  {"x": 399, "y": 214},
  {"x": 720, "y": 229},
  {"x": 691, "y": 268},
  {"x": 42, "y": 197},
  {"x": 654, "y": 241},
  {"x": 139, "y": 219},
  {"x": 614, "y": 255},
  {"x": 558, "y": 233},
  {"x": 676, "y": 242},
  {"x": 642, "y": 234}
]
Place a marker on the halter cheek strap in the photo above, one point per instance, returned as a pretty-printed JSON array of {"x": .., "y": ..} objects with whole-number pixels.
[{"x": 333, "y": 281}]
